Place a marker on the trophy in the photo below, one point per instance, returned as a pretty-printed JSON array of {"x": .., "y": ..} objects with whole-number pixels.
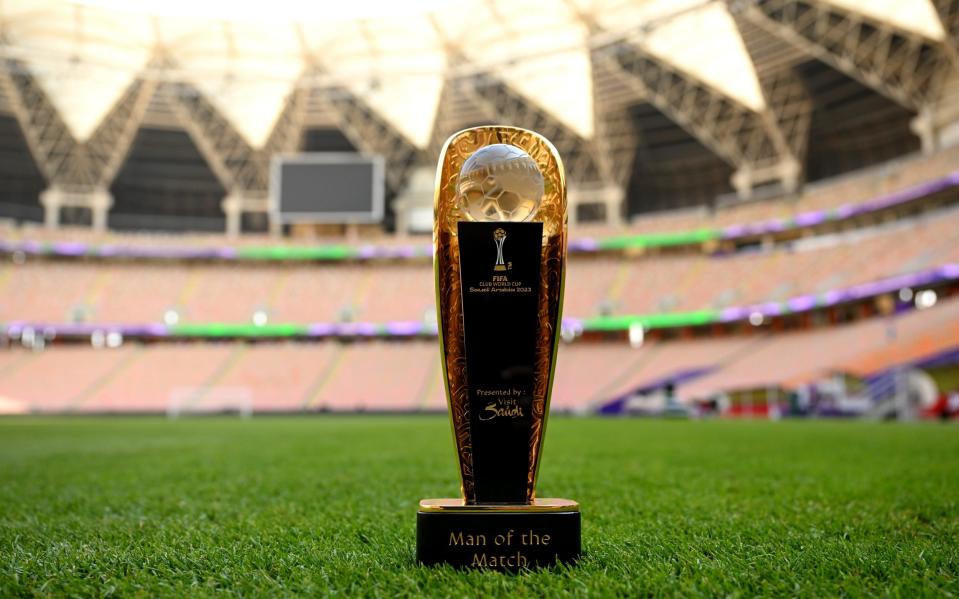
[{"x": 499, "y": 237}]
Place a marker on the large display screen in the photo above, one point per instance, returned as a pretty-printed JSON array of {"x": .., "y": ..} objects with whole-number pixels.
[{"x": 327, "y": 188}]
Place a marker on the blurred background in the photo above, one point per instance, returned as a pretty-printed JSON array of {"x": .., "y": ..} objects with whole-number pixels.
[{"x": 215, "y": 207}]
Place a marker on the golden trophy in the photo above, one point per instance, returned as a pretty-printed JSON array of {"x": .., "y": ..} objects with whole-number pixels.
[{"x": 499, "y": 237}]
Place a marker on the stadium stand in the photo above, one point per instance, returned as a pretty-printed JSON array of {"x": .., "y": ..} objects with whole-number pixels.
[
  {"x": 150, "y": 379},
  {"x": 404, "y": 376},
  {"x": 137, "y": 292}
]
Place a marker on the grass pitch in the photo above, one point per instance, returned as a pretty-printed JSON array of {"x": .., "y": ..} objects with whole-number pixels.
[{"x": 324, "y": 506}]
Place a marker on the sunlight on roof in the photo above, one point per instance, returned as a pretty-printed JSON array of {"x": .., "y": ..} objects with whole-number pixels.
[
  {"x": 246, "y": 56},
  {"x": 918, "y": 16},
  {"x": 273, "y": 11},
  {"x": 715, "y": 54}
]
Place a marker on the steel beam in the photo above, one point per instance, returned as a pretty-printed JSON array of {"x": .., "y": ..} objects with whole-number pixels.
[
  {"x": 734, "y": 132},
  {"x": 901, "y": 65}
]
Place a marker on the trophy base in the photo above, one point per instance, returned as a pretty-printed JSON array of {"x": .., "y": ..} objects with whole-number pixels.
[{"x": 497, "y": 536}]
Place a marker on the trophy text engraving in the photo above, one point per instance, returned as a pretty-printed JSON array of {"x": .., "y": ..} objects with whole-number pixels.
[
  {"x": 507, "y": 549},
  {"x": 500, "y": 284},
  {"x": 502, "y": 408}
]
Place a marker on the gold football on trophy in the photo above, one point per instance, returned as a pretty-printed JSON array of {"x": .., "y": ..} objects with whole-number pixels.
[{"x": 499, "y": 182}]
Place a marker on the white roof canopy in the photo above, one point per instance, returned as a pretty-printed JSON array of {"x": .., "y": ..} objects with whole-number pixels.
[
  {"x": 918, "y": 16},
  {"x": 705, "y": 43},
  {"x": 247, "y": 57}
]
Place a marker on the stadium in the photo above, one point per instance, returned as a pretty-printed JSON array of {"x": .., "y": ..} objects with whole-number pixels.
[{"x": 211, "y": 382}]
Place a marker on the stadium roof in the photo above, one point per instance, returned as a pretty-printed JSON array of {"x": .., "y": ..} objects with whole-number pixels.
[
  {"x": 247, "y": 57},
  {"x": 719, "y": 69}
]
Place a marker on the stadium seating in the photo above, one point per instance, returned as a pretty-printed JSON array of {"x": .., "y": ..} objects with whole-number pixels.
[
  {"x": 140, "y": 292},
  {"x": 62, "y": 379},
  {"x": 150, "y": 378},
  {"x": 864, "y": 348},
  {"x": 391, "y": 376},
  {"x": 380, "y": 376},
  {"x": 395, "y": 376},
  {"x": 286, "y": 377}
]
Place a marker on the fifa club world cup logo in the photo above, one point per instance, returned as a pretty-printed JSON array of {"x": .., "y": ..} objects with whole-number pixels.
[{"x": 499, "y": 236}]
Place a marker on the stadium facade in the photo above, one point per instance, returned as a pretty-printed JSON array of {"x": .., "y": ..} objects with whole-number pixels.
[{"x": 146, "y": 118}]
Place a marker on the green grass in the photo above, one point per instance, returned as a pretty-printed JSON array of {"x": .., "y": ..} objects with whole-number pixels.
[{"x": 137, "y": 506}]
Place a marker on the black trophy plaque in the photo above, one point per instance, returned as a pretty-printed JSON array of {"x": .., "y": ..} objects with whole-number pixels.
[{"x": 499, "y": 264}]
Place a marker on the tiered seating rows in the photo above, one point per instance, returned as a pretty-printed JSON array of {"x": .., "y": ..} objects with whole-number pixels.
[
  {"x": 119, "y": 292},
  {"x": 382, "y": 375}
]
